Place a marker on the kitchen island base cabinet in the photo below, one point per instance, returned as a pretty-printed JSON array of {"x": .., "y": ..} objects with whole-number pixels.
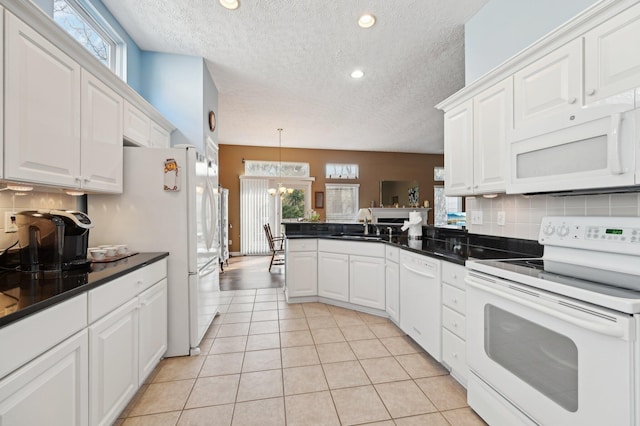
[
  {"x": 301, "y": 268},
  {"x": 367, "y": 281},
  {"x": 420, "y": 302},
  {"x": 333, "y": 276},
  {"x": 32, "y": 394}
]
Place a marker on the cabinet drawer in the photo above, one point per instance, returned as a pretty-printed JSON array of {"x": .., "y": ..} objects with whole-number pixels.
[
  {"x": 454, "y": 322},
  {"x": 108, "y": 297},
  {"x": 454, "y": 298},
  {"x": 454, "y": 354},
  {"x": 392, "y": 253},
  {"x": 302, "y": 245},
  {"x": 373, "y": 249},
  {"x": 33, "y": 335},
  {"x": 454, "y": 274}
]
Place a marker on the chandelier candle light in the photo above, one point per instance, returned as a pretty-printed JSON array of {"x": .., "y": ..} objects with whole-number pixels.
[{"x": 281, "y": 188}]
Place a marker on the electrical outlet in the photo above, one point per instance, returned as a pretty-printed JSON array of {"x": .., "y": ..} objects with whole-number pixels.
[
  {"x": 502, "y": 218},
  {"x": 230, "y": 243},
  {"x": 476, "y": 217},
  {"x": 10, "y": 222}
]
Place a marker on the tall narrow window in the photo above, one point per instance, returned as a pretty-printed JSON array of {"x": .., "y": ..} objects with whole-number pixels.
[
  {"x": 341, "y": 202},
  {"x": 85, "y": 28}
]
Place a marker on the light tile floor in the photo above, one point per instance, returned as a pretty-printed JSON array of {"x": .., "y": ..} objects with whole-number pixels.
[{"x": 265, "y": 362}]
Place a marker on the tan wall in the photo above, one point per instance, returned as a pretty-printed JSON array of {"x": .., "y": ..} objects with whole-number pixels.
[{"x": 373, "y": 167}]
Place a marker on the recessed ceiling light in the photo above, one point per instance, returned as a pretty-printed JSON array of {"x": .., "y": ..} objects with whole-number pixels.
[
  {"x": 357, "y": 74},
  {"x": 19, "y": 188},
  {"x": 366, "y": 21},
  {"x": 74, "y": 193},
  {"x": 230, "y": 4}
]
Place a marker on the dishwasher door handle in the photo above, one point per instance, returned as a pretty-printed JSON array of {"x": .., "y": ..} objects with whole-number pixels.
[{"x": 421, "y": 273}]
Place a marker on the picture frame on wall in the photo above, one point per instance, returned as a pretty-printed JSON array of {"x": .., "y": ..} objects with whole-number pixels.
[{"x": 318, "y": 200}]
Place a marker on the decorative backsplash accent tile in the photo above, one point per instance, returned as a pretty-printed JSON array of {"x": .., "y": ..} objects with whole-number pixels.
[{"x": 524, "y": 213}]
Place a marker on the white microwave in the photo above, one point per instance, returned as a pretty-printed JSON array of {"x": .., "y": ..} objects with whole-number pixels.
[{"x": 591, "y": 156}]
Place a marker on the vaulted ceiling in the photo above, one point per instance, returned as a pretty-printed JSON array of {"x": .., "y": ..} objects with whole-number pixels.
[{"x": 287, "y": 63}]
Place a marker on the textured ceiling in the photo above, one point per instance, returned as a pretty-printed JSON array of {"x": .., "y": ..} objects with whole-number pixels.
[{"x": 287, "y": 63}]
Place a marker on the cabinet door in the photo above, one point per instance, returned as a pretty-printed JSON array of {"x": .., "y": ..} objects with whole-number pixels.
[
  {"x": 492, "y": 121},
  {"x": 42, "y": 109},
  {"x": 101, "y": 151},
  {"x": 612, "y": 60},
  {"x": 333, "y": 276},
  {"x": 392, "y": 278},
  {"x": 153, "y": 328},
  {"x": 136, "y": 125},
  {"x": 458, "y": 150},
  {"x": 366, "y": 281},
  {"x": 302, "y": 273},
  {"x": 158, "y": 136},
  {"x": 548, "y": 92},
  {"x": 50, "y": 390},
  {"x": 113, "y": 373}
]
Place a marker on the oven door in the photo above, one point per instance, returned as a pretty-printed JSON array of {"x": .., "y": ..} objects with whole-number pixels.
[{"x": 558, "y": 361}]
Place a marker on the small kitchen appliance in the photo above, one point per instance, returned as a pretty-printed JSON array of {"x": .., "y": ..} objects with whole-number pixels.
[
  {"x": 555, "y": 340},
  {"x": 52, "y": 240}
]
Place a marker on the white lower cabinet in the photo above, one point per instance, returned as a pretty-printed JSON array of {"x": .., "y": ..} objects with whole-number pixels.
[
  {"x": 333, "y": 276},
  {"x": 152, "y": 328},
  {"x": 113, "y": 376},
  {"x": 366, "y": 281},
  {"x": 51, "y": 389},
  {"x": 301, "y": 268},
  {"x": 420, "y": 292},
  {"x": 454, "y": 331},
  {"x": 392, "y": 278}
]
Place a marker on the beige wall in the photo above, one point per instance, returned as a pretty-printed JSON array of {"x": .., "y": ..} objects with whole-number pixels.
[{"x": 373, "y": 167}]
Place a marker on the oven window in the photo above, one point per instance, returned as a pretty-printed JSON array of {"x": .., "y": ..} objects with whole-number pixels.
[{"x": 542, "y": 358}]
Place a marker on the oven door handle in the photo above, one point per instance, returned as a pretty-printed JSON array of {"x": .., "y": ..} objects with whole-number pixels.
[{"x": 615, "y": 329}]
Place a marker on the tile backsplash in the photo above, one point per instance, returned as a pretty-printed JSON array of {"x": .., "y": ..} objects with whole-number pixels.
[
  {"x": 524, "y": 213},
  {"x": 12, "y": 202}
]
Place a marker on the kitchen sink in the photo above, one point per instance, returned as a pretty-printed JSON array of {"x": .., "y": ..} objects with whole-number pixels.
[{"x": 359, "y": 237}]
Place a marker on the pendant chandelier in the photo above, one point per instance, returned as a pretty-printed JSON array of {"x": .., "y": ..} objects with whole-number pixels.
[{"x": 282, "y": 190}]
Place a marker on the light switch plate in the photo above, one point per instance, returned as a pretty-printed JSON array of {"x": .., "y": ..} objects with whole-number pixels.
[
  {"x": 502, "y": 218},
  {"x": 476, "y": 217}
]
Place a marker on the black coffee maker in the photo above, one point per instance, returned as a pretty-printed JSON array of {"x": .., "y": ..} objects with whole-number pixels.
[{"x": 52, "y": 240}]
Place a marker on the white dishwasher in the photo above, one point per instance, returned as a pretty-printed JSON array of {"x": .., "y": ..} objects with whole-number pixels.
[{"x": 420, "y": 301}]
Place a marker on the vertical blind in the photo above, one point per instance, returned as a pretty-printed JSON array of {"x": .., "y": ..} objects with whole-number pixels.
[{"x": 254, "y": 213}]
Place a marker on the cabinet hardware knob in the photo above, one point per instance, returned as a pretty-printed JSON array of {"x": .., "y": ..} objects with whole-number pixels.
[
  {"x": 78, "y": 179},
  {"x": 572, "y": 100},
  {"x": 454, "y": 276},
  {"x": 591, "y": 92},
  {"x": 455, "y": 354}
]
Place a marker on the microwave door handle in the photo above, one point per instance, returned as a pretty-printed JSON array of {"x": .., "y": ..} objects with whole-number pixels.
[{"x": 614, "y": 148}]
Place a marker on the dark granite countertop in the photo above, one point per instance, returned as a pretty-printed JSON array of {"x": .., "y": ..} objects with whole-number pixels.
[
  {"x": 452, "y": 245},
  {"x": 24, "y": 293}
]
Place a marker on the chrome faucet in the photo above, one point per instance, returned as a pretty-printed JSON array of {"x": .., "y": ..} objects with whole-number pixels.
[
  {"x": 377, "y": 230},
  {"x": 390, "y": 230},
  {"x": 366, "y": 226}
]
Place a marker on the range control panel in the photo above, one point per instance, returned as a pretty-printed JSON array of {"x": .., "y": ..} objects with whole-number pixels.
[{"x": 600, "y": 233}]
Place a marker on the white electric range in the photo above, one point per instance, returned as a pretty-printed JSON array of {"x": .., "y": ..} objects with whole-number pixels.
[{"x": 555, "y": 340}]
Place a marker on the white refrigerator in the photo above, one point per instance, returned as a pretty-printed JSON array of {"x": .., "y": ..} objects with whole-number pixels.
[{"x": 169, "y": 203}]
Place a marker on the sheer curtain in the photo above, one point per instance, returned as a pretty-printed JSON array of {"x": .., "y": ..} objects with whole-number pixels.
[{"x": 255, "y": 206}]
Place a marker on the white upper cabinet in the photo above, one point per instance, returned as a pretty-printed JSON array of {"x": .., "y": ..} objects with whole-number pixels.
[
  {"x": 101, "y": 150},
  {"x": 137, "y": 125},
  {"x": 42, "y": 109},
  {"x": 458, "y": 149},
  {"x": 475, "y": 141},
  {"x": 548, "y": 92},
  {"x": 492, "y": 123},
  {"x": 159, "y": 137},
  {"x": 612, "y": 59}
]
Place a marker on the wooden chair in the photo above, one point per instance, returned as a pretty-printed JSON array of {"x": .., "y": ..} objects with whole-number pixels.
[{"x": 276, "y": 245}]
